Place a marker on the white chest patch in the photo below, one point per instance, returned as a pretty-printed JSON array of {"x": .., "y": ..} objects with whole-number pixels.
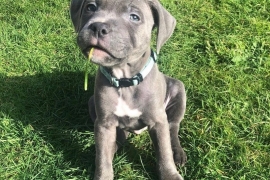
[{"x": 122, "y": 109}]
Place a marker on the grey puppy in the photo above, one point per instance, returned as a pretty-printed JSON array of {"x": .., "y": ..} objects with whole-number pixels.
[{"x": 131, "y": 94}]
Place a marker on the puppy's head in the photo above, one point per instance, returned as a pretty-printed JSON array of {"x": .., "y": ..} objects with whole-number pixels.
[{"x": 119, "y": 30}]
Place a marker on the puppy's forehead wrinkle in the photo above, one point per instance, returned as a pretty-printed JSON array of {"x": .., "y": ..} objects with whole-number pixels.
[
  {"x": 131, "y": 2},
  {"x": 118, "y": 4}
]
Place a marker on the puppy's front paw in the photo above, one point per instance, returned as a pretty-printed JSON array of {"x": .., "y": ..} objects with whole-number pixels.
[{"x": 179, "y": 156}]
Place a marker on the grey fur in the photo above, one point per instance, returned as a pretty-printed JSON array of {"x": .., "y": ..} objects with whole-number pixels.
[{"x": 122, "y": 45}]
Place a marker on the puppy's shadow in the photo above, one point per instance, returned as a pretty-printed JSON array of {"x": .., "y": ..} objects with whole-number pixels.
[{"x": 55, "y": 105}]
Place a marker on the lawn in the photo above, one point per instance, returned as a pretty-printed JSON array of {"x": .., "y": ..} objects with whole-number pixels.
[{"x": 220, "y": 50}]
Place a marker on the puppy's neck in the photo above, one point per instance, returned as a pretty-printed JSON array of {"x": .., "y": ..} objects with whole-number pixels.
[{"x": 130, "y": 68}]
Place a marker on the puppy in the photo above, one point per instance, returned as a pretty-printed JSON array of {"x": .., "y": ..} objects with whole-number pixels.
[{"x": 131, "y": 94}]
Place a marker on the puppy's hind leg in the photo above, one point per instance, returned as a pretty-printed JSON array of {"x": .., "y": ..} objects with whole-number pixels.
[
  {"x": 175, "y": 110},
  {"x": 121, "y": 136}
]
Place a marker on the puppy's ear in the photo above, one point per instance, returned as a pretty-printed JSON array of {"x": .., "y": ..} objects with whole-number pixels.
[
  {"x": 76, "y": 12},
  {"x": 164, "y": 22}
]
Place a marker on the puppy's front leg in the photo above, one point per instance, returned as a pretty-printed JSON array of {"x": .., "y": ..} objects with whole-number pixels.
[
  {"x": 160, "y": 136},
  {"x": 105, "y": 139}
]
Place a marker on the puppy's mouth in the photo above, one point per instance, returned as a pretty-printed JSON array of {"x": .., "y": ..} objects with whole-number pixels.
[
  {"x": 101, "y": 56},
  {"x": 98, "y": 52}
]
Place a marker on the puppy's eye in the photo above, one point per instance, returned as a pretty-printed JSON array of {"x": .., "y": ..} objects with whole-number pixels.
[
  {"x": 134, "y": 17},
  {"x": 91, "y": 7}
]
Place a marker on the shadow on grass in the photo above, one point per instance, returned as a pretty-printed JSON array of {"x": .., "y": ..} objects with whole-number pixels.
[{"x": 55, "y": 106}]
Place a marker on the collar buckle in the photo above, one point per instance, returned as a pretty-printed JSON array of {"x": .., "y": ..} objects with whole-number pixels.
[{"x": 126, "y": 82}]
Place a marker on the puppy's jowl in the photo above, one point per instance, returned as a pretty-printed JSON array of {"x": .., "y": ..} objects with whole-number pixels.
[{"x": 131, "y": 94}]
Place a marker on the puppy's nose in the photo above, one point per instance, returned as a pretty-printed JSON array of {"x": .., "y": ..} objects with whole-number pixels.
[{"x": 100, "y": 29}]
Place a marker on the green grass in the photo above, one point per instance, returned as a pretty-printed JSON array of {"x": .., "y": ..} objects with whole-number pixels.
[{"x": 220, "y": 50}]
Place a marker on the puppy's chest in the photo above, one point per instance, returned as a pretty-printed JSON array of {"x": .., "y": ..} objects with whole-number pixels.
[
  {"x": 122, "y": 109},
  {"x": 129, "y": 118}
]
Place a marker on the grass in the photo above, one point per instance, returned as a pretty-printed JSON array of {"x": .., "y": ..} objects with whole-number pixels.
[{"x": 220, "y": 50}]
